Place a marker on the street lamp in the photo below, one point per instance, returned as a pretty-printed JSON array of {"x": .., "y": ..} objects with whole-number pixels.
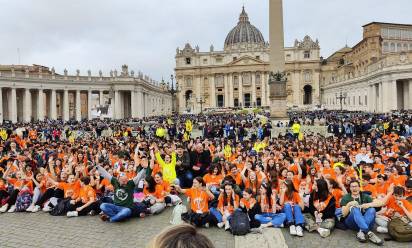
[
  {"x": 340, "y": 97},
  {"x": 173, "y": 92},
  {"x": 201, "y": 102}
]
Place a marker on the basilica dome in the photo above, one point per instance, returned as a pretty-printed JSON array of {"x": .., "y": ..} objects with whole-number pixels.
[{"x": 244, "y": 32}]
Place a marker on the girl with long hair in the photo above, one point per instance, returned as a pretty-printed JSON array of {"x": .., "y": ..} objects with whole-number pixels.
[
  {"x": 270, "y": 215},
  {"x": 292, "y": 205}
]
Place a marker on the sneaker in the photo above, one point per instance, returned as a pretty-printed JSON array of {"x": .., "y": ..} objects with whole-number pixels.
[
  {"x": 4, "y": 208},
  {"x": 92, "y": 213},
  {"x": 220, "y": 225},
  {"x": 323, "y": 232},
  {"x": 299, "y": 231},
  {"x": 292, "y": 230},
  {"x": 72, "y": 214},
  {"x": 46, "y": 208},
  {"x": 206, "y": 225},
  {"x": 227, "y": 226},
  {"x": 374, "y": 238},
  {"x": 36, "y": 209},
  {"x": 30, "y": 208},
  {"x": 12, "y": 209},
  {"x": 361, "y": 237},
  {"x": 104, "y": 217},
  {"x": 381, "y": 229}
]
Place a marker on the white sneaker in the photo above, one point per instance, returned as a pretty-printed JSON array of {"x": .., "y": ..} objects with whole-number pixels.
[
  {"x": 323, "y": 232},
  {"x": 299, "y": 231},
  {"x": 292, "y": 230},
  {"x": 36, "y": 209},
  {"x": 12, "y": 209},
  {"x": 47, "y": 208},
  {"x": 227, "y": 226},
  {"x": 381, "y": 229},
  {"x": 220, "y": 225},
  {"x": 30, "y": 208},
  {"x": 72, "y": 214},
  {"x": 3, "y": 209}
]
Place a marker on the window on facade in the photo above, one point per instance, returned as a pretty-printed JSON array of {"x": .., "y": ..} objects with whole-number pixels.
[
  {"x": 236, "y": 80},
  {"x": 405, "y": 47},
  {"x": 385, "y": 47},
  {"x": 234, "y": 58},
  {"x": 257, "y": 57},
  {"x": 236, "y": 102},
  {"x": 307, "y": 76},
  {"x": 257, "y": 78},
  {"x": 219, "y": 90},
  {"x": 188, "y": 61},
  {"x": 189, "y": 82},
  {"x": 306, "y": 54},
  {"x": 218, "y": 60},
  {"x": 398, "y": 47},
  {"x": 258, "y": 88},
  {"x": 258, "y": 102},
  {"x": 393, "y": 47},
  {"x": 236, "y": 88},
  {"x": 204, "y": 61}
]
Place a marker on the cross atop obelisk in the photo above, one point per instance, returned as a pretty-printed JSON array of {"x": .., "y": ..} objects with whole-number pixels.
[{"x": 277, "y": 79}]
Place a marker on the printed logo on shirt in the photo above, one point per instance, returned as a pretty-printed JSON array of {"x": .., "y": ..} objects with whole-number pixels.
[{"x": 121, "y": 194}]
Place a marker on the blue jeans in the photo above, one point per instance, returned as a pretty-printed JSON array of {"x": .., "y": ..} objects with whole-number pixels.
[
  {"x": 218, "y": 215},
  {"x": 116, "y": 213},
  {"x": 293, "y": 214},
  {"x": 358, "y": 221},
  {"x": 276, "y": 219}
]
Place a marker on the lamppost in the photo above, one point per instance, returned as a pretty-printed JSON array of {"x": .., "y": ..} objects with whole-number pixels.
[
  {"x": 340, "y": 97},
  {"x": 173, "y": 92},
  {"x": 201, "y": 102}
]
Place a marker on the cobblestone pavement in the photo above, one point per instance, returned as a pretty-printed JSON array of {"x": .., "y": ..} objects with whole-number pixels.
[
  {"x": 42, "y": 230},
  {"x": 338, "y": 239}
]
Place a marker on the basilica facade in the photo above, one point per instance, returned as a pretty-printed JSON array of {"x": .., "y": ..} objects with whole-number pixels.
[
  {"x": 238, "y": 76},
  {"x": 374, "y": 75}
]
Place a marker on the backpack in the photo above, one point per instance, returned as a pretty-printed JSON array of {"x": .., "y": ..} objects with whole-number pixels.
[
  {"x": 239, "y": 223},
  {"x": 61, "y": 208},
  {"x": 23, "y": 201},
  {"x": 176, "y": 217},
  {"x": 399, "y": 230}
]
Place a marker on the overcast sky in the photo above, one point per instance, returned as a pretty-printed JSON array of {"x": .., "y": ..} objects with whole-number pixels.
[{"x": 104, "y": 34}]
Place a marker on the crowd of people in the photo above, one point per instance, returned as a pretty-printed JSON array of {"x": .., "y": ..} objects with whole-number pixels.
[{"x": 357, "y": 178}]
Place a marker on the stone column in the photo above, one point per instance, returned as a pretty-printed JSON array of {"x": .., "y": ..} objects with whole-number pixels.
[
  {"x": 198, "y": 94},
  {"x": 133, "y": 104},
  {"x": 231, "y": 97},
  {"x": 410, "y": 94},
  {"x": 212, "y": 91},
  {"x": 241, "y": 90},
  {"x": 53, "y": 109},
  {"x": 27, "y": 105},
  {"x": 226, "y": 85},
  {"x": 139, "y": 103},
  {"x": 263, "y": 88},
  {"x": 116, "y": 108},
  {"x": 389, "y": 95},
  {"x": 66, "y": 112},
  {"x": 371, "y": 107},
  {"x": 13, "y": 106},
  {"x": 101, "y": 100},
  {"x": 78, "y": 106},
  {"x": 40, "y": 105},
  {"x": 1, "y": 106},
  {"x": 406, "y": 93},
  {"x": 89, "y": 104},
  {"x": 253, "y": 104}
]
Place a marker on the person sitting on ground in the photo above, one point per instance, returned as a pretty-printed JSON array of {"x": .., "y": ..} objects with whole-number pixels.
[{"x": 122, "y": 207}]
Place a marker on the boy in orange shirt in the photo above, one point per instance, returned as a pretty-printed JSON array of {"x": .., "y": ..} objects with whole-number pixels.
[{"x": 86, "y": 202}]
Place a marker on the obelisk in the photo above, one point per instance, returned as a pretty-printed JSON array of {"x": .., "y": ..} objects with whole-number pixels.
[{"x": 277, "y": 79}]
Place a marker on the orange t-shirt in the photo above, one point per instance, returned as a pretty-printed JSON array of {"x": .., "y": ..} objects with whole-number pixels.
[
  {"x": 199, "y": 200},
  {"x": 294, "y": 200},
  {"x": 165, "y": 186},
  {"x": 338, "y": 194},
  {"x": 382, "y": 189},
  {"x": 2, "y": 185},
  {"x": 87, "y": 193},
  {"x": 371, "y": 188},
  {"x": 392, "y": 204},
  {"x": 20, "y": 183},
  {"x": 70, "y": 189},
  {"x": 158, "y": 194},
  {"x": 213, "y": 179},
  {"x": 379, "y": 167},
  {"x": 229, "y": 207},
  {"x": 266, "y": 207},
  {"x": 107, "y": 184},
  {"x": 238, "y": 178},
  {"x": 399, "y": 180},
  {"x": 329, "y": 172},
  {"x": 249, "y": 202}
]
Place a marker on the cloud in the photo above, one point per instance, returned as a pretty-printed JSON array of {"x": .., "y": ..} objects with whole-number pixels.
[{"x": 104, "y": 34}]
